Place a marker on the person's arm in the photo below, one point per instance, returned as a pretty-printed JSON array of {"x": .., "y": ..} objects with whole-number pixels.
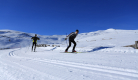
[
  {"x": 69, "y": 35},
  {"x": 32, "y": 38},
  {"x": 38, "y": 38}
]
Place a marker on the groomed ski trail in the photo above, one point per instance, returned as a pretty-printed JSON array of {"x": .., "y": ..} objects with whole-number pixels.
[{"x": 111, "y": 72}]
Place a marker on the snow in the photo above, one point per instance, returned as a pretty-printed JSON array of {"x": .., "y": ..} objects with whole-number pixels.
[{"x": 103, "y": 57}]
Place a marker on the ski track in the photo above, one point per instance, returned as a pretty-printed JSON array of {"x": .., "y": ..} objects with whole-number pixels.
[
  {"x": 21, "y": 72},
  {"x": 118, "y": 51},
  {"x": 103, "y": 70}
]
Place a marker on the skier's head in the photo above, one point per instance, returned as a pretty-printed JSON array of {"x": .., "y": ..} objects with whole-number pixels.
[
  {"x": 77, "y": 31},
  {"x": 35, "y": 35}
]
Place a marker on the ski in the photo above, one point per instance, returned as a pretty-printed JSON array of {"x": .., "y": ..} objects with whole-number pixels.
[{"x": 73, "y": 52}]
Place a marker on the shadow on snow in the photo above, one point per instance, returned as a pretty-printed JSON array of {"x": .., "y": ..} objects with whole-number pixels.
[{"x": 100, "y": 48}]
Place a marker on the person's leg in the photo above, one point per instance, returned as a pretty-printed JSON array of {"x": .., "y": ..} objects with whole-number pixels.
[
  {"x": 68, "y": 46},
  {"x": 74, "y": 46},
  {"x": 35, "y": 46},
  {"x": 32, "y": 46}
]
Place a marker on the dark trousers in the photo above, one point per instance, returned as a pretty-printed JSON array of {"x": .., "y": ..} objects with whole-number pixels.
[
  {"x": 34, "y": 45},
  {"x": 70, "y": 45}
]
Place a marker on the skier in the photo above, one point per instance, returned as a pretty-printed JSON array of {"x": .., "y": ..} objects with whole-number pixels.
[
  {"x": 71, "y": 37},
  {"x": 34, "y": 41}
]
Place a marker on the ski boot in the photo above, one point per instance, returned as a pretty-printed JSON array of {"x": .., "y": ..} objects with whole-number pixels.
[{"x": 74, "y": 51}]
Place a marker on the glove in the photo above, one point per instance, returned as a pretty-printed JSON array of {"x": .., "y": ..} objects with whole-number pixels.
[{"x": 65, "y": 38}]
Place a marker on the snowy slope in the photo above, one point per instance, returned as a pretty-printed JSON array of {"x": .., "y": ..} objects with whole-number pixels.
[
  {"x": 103, "y": 57},
  {"x": 110, "y": 37},
  {"x": 16, "y": 39}
]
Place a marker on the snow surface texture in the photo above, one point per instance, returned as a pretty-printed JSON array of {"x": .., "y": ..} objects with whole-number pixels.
[{"x": 103, "y": 57}]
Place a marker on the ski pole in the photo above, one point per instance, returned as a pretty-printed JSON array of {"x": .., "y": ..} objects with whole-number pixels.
[
  {"x": 28, "y": 46},
  {"x": 66, "y": 40}
]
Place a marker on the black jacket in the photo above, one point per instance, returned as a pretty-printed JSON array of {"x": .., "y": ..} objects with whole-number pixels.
[
  {"x": 35, "y": 39},
  {"x": 72, "y": 36}
]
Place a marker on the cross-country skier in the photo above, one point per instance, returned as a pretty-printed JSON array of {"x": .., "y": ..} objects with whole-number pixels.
[
  {"x": 71, "y": 37},
  {"x": 34, "y": 41}
]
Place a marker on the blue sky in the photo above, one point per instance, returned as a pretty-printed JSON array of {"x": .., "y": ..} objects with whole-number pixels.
[{"x": 58, "y": 17}]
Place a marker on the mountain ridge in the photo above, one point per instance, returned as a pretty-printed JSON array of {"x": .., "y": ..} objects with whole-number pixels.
[{"x": 13, "y": 39}]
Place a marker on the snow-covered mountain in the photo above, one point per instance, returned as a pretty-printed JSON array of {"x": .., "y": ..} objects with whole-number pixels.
[
  {"x": 109, "y": 37},
  {"x": 102, "y": 56},
  {"x": 15, "y": 39}
]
